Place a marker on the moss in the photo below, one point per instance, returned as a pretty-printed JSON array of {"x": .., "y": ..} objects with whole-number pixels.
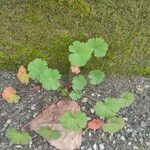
[{"x": 45, "y": 29}]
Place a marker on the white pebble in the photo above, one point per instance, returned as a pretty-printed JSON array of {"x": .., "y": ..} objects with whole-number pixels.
[
  {"x": 95, "y": 147},
  {"x": 101, "y": 146},
  {"x": 8, "y": 121},
  {"x": 33, "y": 107},
  {"x": 90, "y": 134},
  {"x": 147, "y": 143},
  {"x": 135, "y": 147},
  {"x": 129, "y": 143},
  {"x": 92, "y": 94},
  {"x": 84, "y": 100},
  {"x": 92, "y": 110},
  {"x": 122, "y": 138}
]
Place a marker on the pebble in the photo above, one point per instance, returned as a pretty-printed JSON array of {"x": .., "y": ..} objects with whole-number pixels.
[
  {"x": 84, "y": 100},
  {"x": 101, "y": 146},
  {"x": 35, "y": 114},
  {"x": 40, "y": 147},
  {"x": 146, "y": 86},
  {"x": 90, "y": 134},
  {"x": 95, "y": 147},
  {"x": 33, "y": 107},
  {"x": 135, "y": 147},
  {"x": 93, "y": 94},
  {"x": 83, "y": 108},
  {"x": 122, "y": 138},
  {"x": 129, "y": 143},
  {"x": 92, "y": 110},
  {"x": 147, "y": 143},
  {"x": 89, "y": 149},
  {"x": 143, "y": 124}
]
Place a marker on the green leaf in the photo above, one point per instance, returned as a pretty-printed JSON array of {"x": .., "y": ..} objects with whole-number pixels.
[
  {"x": 75, "y": 95},
  {"x": 79, "y": 82},
  {"x": 50, "y": 79},
  {"x": 96, "y": 77},
  {"x": 99, "y": 46},
  {"x": 17, "y": 137},
  {"x": 81, "y": 53},
  {"x": 114, "y": 124},
  {"x": 36, "y": 68},
  {"x": 103, "y": 110},
  {"x": 126, "y": 100},
  {"x": 113, "y": 104},
  {"x": 48, "y": 133},
  {"x": 74, "y": 121}
]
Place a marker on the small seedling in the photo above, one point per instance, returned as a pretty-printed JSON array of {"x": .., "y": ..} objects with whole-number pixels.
[{"x": 50, "y": 79}]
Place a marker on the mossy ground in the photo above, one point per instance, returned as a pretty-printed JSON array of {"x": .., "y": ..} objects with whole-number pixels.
[{"x": 45, "y": 28}]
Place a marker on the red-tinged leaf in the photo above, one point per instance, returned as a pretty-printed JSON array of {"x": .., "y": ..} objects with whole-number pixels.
[
  {"x": 22, "y": 75},
  {"x": 50, "y": 117},
  {"x": 75, "y": 69},
  {"x": 95, "y": 124},
  {"x": 9, "y": 94}
]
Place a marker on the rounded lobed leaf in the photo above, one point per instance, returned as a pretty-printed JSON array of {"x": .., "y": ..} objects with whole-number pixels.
[
  {"x": 103, "y": 110},
  {"x": 48, "y": 133},
  {"x": 114, "y": 124},
  {"x": 17, "y": 137},
  {"x": 96, "y": 77},
  {"x": 74, "y": 121},
  {"x": 75, "y": 95},
  {"x": 36, "y": 68},
  {"x": 126, "y": 100},
  {"x": 79, "y": 82},
  {"x": 99, "y": 46},
  {"x": 81, "y": 53},
  {"x": 9, "y": 94},
  {"x": 50, "y": 79}
]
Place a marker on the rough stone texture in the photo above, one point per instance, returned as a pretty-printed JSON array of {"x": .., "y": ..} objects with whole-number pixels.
[{"x": 135, "y": 135}]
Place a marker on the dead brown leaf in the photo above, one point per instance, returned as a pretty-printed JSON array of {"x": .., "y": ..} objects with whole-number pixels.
[{"x": 69, "y": 140}]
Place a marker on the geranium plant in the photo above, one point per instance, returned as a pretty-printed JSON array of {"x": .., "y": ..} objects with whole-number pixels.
[{"x": 73, "y": 119}]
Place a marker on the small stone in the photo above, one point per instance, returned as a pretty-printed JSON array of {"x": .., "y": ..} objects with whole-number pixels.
[
  {"x": 126, "y": 119},
  {"x": 135, "y": 147},
  {"x": 90, "y": 134},
  {"x": 147, "y": 143},
  {"x": 114, "y": 142},
  {"x": 33, "y": 107},
  {"x": 40, "y": 147},
  {"x": 84, "y": 100},
  {"x": 82, "y": 147},
  {"x": 140, "y": 88},
  {"x": 89, "y": 149},
  {"x": 95, "y": 147},
  {"x": 18, "y": 146},
  {"x": 122, "y": 138},
  {"x": 92, "y": 110},
  {"x": 83, "y": 108},
  {"x": 34, "y": 115},
  {"x": 143, "y": 124},
  {"x": 92, "y": 94},
  {"x": 101, "y": 146},
  {"x": 88, "y": 118},
  {"x": 98, "y": 95},
  {"x": 129, "y": 143},
  {"x": 8, "y": 121},
  {"x": 147, "y": 86}
]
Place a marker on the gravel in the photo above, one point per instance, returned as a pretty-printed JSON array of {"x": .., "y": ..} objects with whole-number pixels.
[{"x": 135, "y": 135}]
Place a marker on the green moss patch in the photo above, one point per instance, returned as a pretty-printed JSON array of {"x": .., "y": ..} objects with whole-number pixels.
[{"x": 45, "y": 28}]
